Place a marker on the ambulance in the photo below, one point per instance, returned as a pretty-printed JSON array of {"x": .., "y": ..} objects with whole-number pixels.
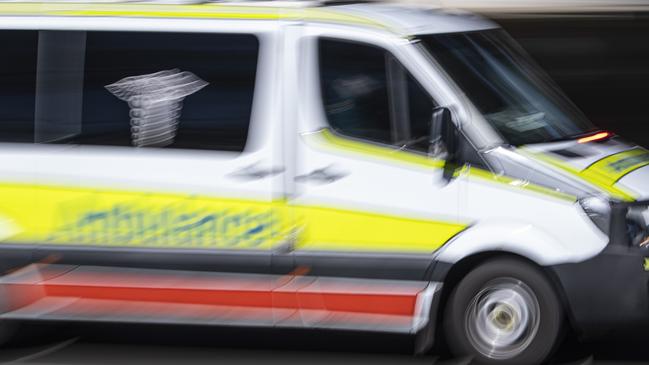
[{"x": 363, "y": 167}]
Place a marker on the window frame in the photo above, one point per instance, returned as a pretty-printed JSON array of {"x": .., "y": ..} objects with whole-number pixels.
[{"x": 402, "y": 49}]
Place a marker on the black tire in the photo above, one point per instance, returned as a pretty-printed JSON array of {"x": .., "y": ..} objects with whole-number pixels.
[{"x": 508, "y": 296}]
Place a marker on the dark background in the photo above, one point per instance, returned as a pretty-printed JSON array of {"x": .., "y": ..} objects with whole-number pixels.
[{"x": 600, "y": 60}]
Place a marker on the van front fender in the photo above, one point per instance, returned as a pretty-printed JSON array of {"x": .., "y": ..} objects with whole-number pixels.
[{"x": 517, "y": 237}]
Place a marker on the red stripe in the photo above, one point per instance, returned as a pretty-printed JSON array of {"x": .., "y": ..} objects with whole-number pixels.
[
  {"x": 379, "y": 303},
  {"x": 351, "y": 302},
  {"x": 240, "y": 298},
  {"x": 254, "y": 292}
]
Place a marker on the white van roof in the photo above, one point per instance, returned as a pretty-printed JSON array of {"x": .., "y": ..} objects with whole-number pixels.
[
  {"x": 402, "y": 19},
  {"x": 418, "y": 20}
]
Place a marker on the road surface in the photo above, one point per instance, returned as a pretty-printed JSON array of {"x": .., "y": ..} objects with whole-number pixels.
[{"x": 81, "y": 344}]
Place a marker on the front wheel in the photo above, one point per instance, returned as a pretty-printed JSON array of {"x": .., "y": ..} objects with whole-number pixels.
[{"x": 503, "y": 312}]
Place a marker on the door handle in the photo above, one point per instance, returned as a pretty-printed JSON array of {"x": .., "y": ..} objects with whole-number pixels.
[
  {"x": 288, "y": 245},
  {"x": 255, "y": 172},
  {"x": 322, "y": 176},
  {"x": 284, "y": 248}
]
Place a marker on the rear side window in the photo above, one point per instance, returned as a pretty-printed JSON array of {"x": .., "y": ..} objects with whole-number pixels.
[
  {"x": 142, "y": 89},
  {"x": 17, "y": 85},
  {"x": 211, "y": 77}
]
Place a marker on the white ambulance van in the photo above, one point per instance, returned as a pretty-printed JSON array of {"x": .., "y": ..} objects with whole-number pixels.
[{"x": 363, "y": 167}]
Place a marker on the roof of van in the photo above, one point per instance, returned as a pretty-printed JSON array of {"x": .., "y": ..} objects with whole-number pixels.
[{"x": 400, "y": 19}]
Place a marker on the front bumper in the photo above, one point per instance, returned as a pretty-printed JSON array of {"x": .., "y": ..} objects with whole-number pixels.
[{"x": 609, "y": 293}]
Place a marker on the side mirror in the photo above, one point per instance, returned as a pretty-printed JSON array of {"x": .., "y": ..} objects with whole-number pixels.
[{"x": 444, "y": 140}]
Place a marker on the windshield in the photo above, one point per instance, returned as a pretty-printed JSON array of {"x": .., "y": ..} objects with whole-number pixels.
[{"x": 518, "y": 100}]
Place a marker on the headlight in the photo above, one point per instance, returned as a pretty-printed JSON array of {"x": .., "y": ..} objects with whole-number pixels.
[
  {"x": 599, "y": 211},
  {"x": 638, "y": 227},
  {"x": 630, "y": 220}
]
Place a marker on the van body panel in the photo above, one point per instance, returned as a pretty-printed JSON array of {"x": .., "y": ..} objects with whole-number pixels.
[
  {"x": 311, "y": 222},
  {"x": 555, "y": 231},
  {"x": 602, "y": 164},
  {"x": 635, "y": 180}
]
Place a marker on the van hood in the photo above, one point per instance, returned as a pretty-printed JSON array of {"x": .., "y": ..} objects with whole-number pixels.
[{"x": 615, "y": 167}]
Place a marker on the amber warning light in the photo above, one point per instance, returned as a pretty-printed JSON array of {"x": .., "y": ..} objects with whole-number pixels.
[{"x": 599, "y": 136}]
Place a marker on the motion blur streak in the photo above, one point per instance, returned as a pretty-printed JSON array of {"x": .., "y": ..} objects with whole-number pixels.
[
  {"x": 596, "y": 51},
  {"x": 595, "y": 137},
  {"x": 314, "y": 165},
  {"x": 156, "y": 103},
  {"x": 113, "y": 294}
]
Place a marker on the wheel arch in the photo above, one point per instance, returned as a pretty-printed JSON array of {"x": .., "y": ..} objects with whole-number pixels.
[{"x": 451, "y": 275}]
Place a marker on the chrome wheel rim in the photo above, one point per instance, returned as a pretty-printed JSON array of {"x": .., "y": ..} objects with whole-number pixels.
[{"x": 503, "y": 318}]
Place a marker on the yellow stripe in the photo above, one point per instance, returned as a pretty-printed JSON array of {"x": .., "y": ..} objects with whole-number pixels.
[
  {"x": 40, "y": 214},
  {"x": 614, "y": 167},
  {"x": 335, "y": 142},
  {"x": 475, "y": 172},
  {"x": 330, "y": 141},
  {"x": 336, "y": 229},
  {"x": 104, "y": 217},
  {"x": 330, "y": 229},
  {"x": 594, "y": 177},
  {"x": 203, "y": 11},
  {"x": 96, "y": 217}
]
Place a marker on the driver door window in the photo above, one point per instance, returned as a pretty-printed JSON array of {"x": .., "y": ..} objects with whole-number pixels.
[{"x": 367, "y": 94}]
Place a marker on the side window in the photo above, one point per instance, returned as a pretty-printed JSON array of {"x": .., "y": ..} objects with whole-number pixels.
[
  {"x": 420, "y": 111},
  {"x": 17, "y": 85},
  {"x": 169, "y": 90},
  {"x": 355, "y": 90},
  {"x": 146, "y": 89},
  {"x": 367, "y": 94}
]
